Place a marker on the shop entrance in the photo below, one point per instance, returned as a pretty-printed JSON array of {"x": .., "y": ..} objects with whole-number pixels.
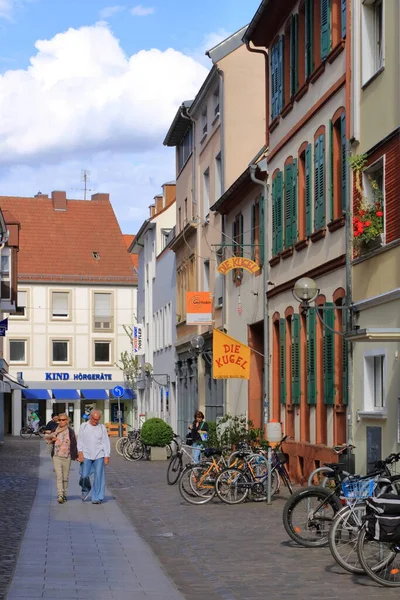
[{"x": 64, "y": 407}]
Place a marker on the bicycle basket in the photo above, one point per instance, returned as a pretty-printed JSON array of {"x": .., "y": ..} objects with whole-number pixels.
[
  {"x": 361, "y": 488},
  {"x": 280, "y": 457}
]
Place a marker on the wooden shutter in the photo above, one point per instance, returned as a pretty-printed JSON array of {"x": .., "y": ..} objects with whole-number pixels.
[
  {"x": 343, "y": 18},
  {"x": 253, "y": 231},
  {"x": 288, "y": 205},
  {"x": 319, "y": 182},
  {"x": 279, "y": 212},
  {"x": 331, "y": 173},
  {"x": 345, "y": 358},
  {"x": 309, "y": 27},
  {"x": 308, "y": 191},
  {"x": 261, "y": 252},
  {"x": 296, "y": 359},
  {"x": 280, "y": 74},
  {"x": 311, "y": 357},
  {"x": 274, "y": 227},
  {"x": 294, "y": 202},
  {"x": 294, "y": 33},
  {"x": 343, "y": 160},
  {"x": 329, "y": 354},
  {"x": 325, "y": 28},
  {"x": 274, "y": 82},
  {"x": 316, "y": 184},
  {"x": 282, "y": 360}
]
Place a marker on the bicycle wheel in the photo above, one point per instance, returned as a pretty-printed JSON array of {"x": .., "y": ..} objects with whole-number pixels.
[
  {"x": 308, "y": 515},
  {"x": 259, "y": 493},
  {"x": 194, "y": 485},
  {"x": 232, "y": 486},
  {"x": 343, "y": 538},
  {"x": 134, "y": 450},
  {"x": 119, "y": 446},
  {"x": 26, "y": 433},
  {"x": 169, "y": 451},
  {"x": 41, "y": 431},
  {"x": 174, "y": 470},
  {"x": 380, "y": 560}
]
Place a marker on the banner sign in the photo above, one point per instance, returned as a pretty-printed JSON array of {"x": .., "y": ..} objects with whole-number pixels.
[
  {"x": 137, "y": 340},
  {"x": 238, "y": 262},
  {"x": 198, "y": 308},
  {"x": 231, "y": 359}
]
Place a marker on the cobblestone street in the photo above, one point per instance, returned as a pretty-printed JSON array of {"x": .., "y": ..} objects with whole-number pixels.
[
  {"x": 231, "y": 553},
  {"x": 19, "y": 460}
]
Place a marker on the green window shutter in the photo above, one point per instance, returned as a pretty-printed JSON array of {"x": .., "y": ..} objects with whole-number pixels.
[
  {"x": 294, "y": 202},
  {"x": 329, "y": 354},
  {"x": 252, "y": 230},
  {"x": 345, "y": 359},
  {"x": 343, "y": 18},
  {"x": 274, "y": 228},
  {"x": 261, "y": 252},
  {"x": 316, "y": 184},
  {"x": 282, "y": 360},
  {"x": 308, "y": 191},
  {"x": 234, "y": 248},
  {"x": 294, "y": 35},
  {"x": 343, "y": 160},
  {"x": 288, "y": 205},
  {"x": 325, "y": 28},
  {"x": 311, "y": 357},
  {"x": 296, "y": 359},
  {"x": 319, "y": 182},
  {"x": 331, "y": 177},
  {"x": 274, "y": 81},
  {"x": 280, "y": 74},
  {"x": 309, "y": 26},
  {"x": 279, "y": 212}
]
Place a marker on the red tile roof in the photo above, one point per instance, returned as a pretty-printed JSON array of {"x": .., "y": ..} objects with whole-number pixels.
[
  {"x": 134, "y": 257},
  {"x": 59, "y": 245}
]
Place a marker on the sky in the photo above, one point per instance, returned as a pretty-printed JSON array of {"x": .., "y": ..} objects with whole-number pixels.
[{"x": 94, "y": 85}]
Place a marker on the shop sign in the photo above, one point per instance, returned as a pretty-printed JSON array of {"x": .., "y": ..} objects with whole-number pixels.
[
  {"x": 78, "y": 377},
  {"x": 198, "y": 308},
  {"x": 238, "y": 262},
  {"x": 137, "y": 340},
  {"x": 231, "y": 359}
]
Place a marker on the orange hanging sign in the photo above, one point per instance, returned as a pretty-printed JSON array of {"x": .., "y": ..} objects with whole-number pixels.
[
  {"x": 238, "y": 262},
  {"x": 231, "y": 359},
  {"x": 198, "y": 308}
]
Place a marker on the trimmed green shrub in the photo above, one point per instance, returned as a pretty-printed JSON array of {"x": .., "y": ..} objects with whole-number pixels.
[{"x": 156, "y": 432}]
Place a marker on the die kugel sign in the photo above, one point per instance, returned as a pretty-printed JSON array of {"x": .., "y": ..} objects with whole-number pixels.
[{"x": 238, "y": 262}]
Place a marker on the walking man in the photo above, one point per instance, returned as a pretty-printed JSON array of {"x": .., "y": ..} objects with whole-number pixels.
[{"x": 94, "y": 455}]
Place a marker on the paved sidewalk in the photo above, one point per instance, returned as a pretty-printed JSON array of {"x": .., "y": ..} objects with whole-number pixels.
[{"x": 84, "y": 551}]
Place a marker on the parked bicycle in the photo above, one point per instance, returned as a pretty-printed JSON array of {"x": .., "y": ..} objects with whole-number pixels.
[{"x": 27, "y": 432}]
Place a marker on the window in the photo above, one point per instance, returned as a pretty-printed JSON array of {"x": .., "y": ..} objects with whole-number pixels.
[
  {"x": 277, "y": 76},
  {"x": 185, "y": 148},
  {"x": 338, "y": 166},
  {"x": 18, "y": 353},
  {"x": 257, "y": 231},
  {"x": 374, "y": 381},
  {"x": 5, "y": 274},
  {"x": 277, "y": 199},
  {"x": 374, "y": 182},
  {"x": 102, "y": 352},
  {"x": 219, "y": 289},
  {"x": 22, "y": 299},
  {"x": 180, "y": 219},
  {"x": 372, "y": 36},
  {"x": 237, "y": 236},
  {"x": 59, "y": 305},
  {"x": 309, "y": 35},
  {"x": 206, "y": 192},
  {"x": 294, "y": 54},
  {"x": 164, "y": 238},
  {"x": 60, "y": 351},
  {"x": 185, "y": 211},
  {"x": 218, "y": 177},
  {"x": 204, "y": 122},
  {"x": 216, "y": 102},
  {"x": 102, "y": 311},
  {"x": 206, "y": 282},
  {"x": 319, "y": 181},
  {"x": 290, "y": 203},
  {"x": 325, "y": 25},
  {"x": 304, "y": 193}
]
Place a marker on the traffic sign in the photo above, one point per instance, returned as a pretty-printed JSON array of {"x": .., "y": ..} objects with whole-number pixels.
[
  {"x": 2, "y": 331},
  {"x": 118, "y": 391}
]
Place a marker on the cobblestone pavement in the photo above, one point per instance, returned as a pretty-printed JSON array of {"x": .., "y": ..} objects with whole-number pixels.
[
  {"x": 225, "y": 552},
  {"x": 19, "y": 460}
]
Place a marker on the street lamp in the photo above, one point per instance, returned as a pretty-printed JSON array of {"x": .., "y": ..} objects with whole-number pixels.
[{"x": 197, "y": 342}]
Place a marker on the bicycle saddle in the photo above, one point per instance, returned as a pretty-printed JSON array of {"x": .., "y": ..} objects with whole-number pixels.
[
  {"x": 212, "y": 452},
  {"x": 334, "y": 466}
]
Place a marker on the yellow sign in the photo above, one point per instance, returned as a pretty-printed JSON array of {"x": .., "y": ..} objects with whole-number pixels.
[
  {"x": 231, "y": 359},
  {"x": 238, "y": 262}
]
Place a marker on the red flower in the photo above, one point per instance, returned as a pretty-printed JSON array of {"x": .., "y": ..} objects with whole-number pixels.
[
  {"x": 379, "y": 213},
  {"x": 361, "y": 213},
  {"x": 357, "y": 233},
  {"x": 367, "y": 223}
]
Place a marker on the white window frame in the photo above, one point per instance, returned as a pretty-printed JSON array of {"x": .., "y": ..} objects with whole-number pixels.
[
  {"x": 26, "y": 343},
  {"x": 6, "y": 275},
  {"x": 25, "y": 316},
  {"x": 369, "y": 382},
  {"x": 102, "y": 341},
  {"x": 103, "y": 320},
  {"x": 60, "y": 318},
  {"x": 68, "y": 341},
  {"x": 373, "y": 60},
  {"x": 206, "y": 193},
  {"x": 379, "y": 164}
]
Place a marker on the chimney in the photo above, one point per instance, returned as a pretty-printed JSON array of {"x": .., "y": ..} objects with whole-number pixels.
[
  {"x": 59, "y": 200},
  {"x": 152, "y": 208},
  {"x": 101, "y": 197},
  {"x": 170, "y": 193},
  {"x": 159, "y": 203}
]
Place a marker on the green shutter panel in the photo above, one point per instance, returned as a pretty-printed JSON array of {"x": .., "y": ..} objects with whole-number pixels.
[
  {"x": 294, "y": 202},
  {"x": 252, "y": 230},
  {"x": 308, "y": 191},
  {"x": 274, "y": 227},
  {"x": 325, "y": 28},
  {"x": 343, "y": 160},
  {"x": 274, "y": 82},
  {"x": 309, "y": 26},
  {"x": 329, "y": 354},
  {"x": 345, "y": 358},
  {"x": 282, "y": 360},
  {"x": 279, "y": 212},
  {"x": 319, "y": 182},
  {"x": 294, "y": 32},
  {"x": 280, "y": 74},
  {"x": 261, "y": 253},
  {"x": 296, "y": 359},
  {"x": 343, "y": 18},
  {"x": 316, "y": 184},
  {"x": 288, "y": 206},
  {"x": 311, "y": 357},
  {"x": 331, "y": 177}
]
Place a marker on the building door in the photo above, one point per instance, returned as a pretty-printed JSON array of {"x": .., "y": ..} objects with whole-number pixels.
[
  {"x": 374, "y": 446},
  {"x": 186, "y": 376},
  {"x": 58, "y": 408},
  {"x": 214, "y": 392},
  {"x": 114, "y": 412}
]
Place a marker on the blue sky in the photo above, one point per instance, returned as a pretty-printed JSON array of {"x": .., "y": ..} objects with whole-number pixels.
[{"x": 80, "y": 83}]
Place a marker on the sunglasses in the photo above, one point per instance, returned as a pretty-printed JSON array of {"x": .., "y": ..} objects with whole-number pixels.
[{"x": 62, "y": 419}]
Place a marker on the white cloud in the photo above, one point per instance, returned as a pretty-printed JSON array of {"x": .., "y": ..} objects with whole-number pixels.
[
  {"x": 142, "y": 11},
  {"x": 110, "y": 11},
  {"x": 208, "y": 42},
  {"x": 7, "y": 8}
]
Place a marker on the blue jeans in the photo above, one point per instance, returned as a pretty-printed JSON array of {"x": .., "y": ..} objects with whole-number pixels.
[
  {"x": 99, "y": 484},
  {"x": 196, "y": 453}
]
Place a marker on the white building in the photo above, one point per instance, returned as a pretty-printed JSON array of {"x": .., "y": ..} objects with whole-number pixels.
[{"x": 76, "y": 292}]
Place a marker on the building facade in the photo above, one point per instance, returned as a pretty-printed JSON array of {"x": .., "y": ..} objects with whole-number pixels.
[{"x": 76, "y": 292}]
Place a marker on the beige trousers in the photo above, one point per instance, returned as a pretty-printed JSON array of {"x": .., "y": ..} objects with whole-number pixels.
[{"x": 61, "y": 467}]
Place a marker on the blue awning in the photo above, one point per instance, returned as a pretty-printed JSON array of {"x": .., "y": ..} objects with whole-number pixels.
[
  {"x": 36, "y": 394},
  {"x": 94, "y": 394},
  {"x": 127, "y": 395},
  {"x": 66, "y": 394}
]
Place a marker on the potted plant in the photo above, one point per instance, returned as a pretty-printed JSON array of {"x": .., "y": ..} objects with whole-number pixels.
[{"x": 156, "y": 433}]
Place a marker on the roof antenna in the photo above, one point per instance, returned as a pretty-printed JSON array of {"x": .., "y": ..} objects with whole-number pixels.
[{"x": 85, "y": 178}]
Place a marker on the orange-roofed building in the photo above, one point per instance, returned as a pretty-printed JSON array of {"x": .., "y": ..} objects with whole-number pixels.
[{"x": 77, "y": 289}]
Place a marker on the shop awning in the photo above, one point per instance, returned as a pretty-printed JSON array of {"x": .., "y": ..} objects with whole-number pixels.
[
  {"x": 127, "y": 395},
  {"x": 372, "y": 334},
  {"x": 66, "y": 394},
  {"x": 36, "y": 394},
  {"x": 94, "y": 394}
]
